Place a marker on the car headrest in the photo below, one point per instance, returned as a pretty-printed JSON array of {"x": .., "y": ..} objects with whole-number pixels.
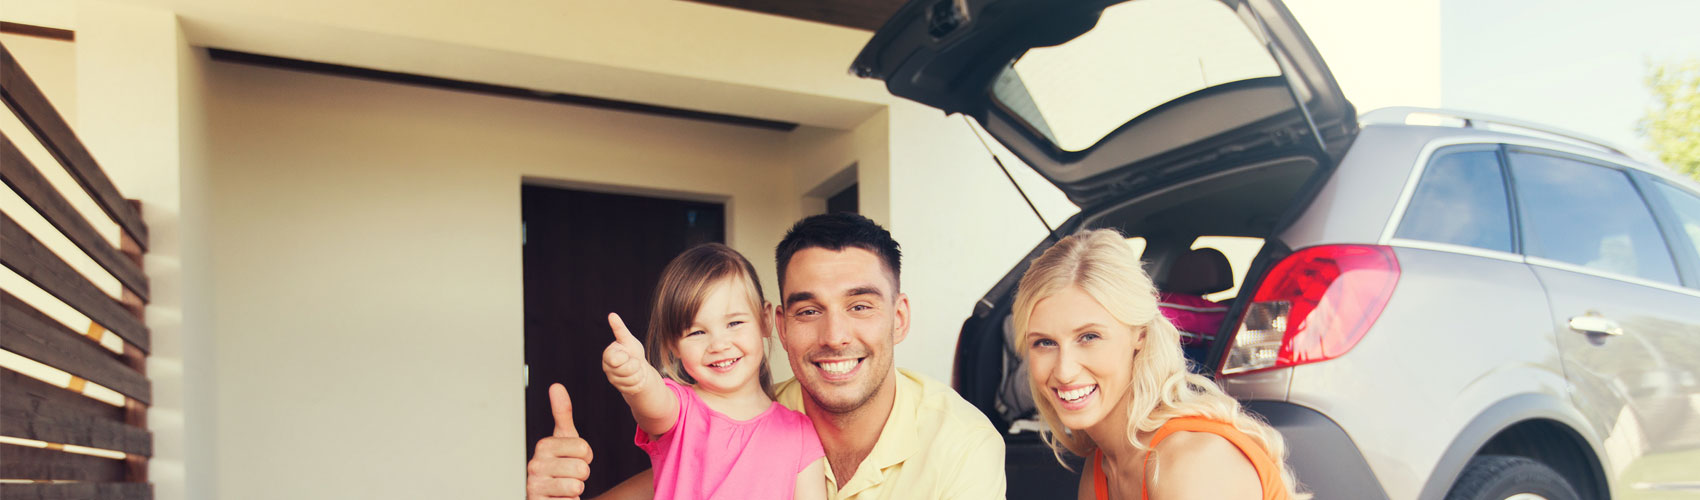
[{"x": 1201, "y": 271}]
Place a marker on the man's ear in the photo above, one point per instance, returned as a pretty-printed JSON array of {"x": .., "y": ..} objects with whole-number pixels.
[
  {"x": 776, "y": 315},
  {"x": 900, "y": 327},
  {"x": 772, "y": 321}
]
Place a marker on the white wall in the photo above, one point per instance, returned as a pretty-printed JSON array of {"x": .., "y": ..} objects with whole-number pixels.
[
  {"x": 366, "y": 255},
  {"x": 1383, "y": 53}
]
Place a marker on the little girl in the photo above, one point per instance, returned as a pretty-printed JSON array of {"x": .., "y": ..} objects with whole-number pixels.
[{"x": 711, "y": 426}]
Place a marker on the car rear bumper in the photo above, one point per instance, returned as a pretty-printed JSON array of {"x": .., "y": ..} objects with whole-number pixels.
[{"x": 1323, "y": 457}]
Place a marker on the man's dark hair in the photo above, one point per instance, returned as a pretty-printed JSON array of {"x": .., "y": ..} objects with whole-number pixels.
[{"x": 834, "y": 232}]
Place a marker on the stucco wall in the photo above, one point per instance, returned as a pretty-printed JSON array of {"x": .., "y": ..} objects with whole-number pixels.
[{"x": 367, "y": 261}]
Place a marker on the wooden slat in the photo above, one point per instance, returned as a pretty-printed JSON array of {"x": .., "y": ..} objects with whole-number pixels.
[
  {"x": 21, "y": 385},
  {"x": 23, "y": 462},
  {"x": 26, "y": 256},
  {"x": 45, "y": 419},
  {"x": 136, "y": 465},
  {"x": 27, "y": 181},
  {"x": 77, "y": 491},
  {"x": 31, "y": 334},
  {"x": 38, "y": 31},
  {"x": 38, "y": 114}
]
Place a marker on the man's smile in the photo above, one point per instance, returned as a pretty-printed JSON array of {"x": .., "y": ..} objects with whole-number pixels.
[{"x": 839, "y": 369}]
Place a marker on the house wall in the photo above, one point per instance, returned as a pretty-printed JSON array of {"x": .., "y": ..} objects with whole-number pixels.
[
  {"x": 1384, "y": 53},
  {"x": 366, "y": 254}
]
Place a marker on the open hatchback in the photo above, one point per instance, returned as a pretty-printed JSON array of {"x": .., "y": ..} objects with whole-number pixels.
[
  {"x": 1181, "y": 123},
  {"x": 1109, "y": 99}
]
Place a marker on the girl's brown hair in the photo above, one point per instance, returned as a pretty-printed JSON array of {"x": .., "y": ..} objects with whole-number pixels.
[{"x": 685, "y": 284}]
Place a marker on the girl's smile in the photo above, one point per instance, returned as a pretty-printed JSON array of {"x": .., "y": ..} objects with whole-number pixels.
[{"x": 722, "y": 348}]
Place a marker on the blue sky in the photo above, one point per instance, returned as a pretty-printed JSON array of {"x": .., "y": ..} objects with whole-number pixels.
[{"x": 1574, "y": 64}]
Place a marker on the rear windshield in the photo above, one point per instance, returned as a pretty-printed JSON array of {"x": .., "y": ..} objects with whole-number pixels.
[{"x": 1141, "y": 54}]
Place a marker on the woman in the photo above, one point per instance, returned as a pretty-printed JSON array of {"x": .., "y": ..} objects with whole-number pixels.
[{"x": 1107, "y": 374}]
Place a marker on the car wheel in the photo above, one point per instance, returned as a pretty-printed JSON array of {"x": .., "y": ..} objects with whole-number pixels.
[{"x": 1503, "y": 477}]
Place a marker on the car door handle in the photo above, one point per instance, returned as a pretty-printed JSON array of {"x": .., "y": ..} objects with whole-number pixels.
[{"x": 1594, "y": 323}]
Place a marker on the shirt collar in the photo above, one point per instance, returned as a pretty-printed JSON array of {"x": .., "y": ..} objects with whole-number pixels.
[{"x": 899, "y": 439}]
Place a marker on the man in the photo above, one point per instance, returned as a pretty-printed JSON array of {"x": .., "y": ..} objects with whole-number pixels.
[{"x": 888, "y": 433}]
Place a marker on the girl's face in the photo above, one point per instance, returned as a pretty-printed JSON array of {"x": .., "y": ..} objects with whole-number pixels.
[
  {"x": 1080, "y": 356},
  {"x": 722, "y": 349}
]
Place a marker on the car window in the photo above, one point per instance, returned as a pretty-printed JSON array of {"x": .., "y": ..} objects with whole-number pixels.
[
  {"x": 1137, "y": 243},
  {"x": 1588, "y": 215},
  {"x": 1460, "y": 200},
  {"x": 1240, "y": 251},
  {"x": 1687, "y": 208},
  {"x": 1074, "y": 94}
]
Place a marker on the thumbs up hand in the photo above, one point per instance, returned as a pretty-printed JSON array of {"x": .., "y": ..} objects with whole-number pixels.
[
  {"x": 561, "y": 464},
  {"x": 624, "y": 361}
]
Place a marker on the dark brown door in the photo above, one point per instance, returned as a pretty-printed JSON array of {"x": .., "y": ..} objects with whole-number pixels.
[{"x": 587, "y": 254}]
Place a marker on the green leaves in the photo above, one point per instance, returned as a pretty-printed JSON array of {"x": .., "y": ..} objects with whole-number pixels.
[{"x": 1672, "y": 126}]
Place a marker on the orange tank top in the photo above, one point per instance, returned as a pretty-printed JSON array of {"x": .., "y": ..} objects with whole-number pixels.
[{"x": 1267, "y": 472}]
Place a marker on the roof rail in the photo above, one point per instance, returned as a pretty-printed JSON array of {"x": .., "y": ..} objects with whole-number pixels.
[{"x": 1399, "y": 115}]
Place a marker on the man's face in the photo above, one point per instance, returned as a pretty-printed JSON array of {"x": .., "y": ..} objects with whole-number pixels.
[{"x": 841, "y": 317}]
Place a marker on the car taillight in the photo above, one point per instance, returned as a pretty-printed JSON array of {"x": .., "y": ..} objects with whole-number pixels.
[{"x": 1313, "y": 306}]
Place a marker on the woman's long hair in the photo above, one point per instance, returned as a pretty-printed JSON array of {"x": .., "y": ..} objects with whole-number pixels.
[{"x": 1102, "y": 264}]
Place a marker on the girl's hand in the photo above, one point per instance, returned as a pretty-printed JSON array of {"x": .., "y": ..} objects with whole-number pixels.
[{"x": 624, "y": 361}]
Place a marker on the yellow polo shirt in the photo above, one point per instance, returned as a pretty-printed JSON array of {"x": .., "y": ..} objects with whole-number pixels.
[{"x": 934, "y": 445}]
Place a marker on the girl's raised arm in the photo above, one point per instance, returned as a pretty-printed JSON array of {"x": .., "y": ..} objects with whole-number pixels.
[{"x": 654, "y": 406}]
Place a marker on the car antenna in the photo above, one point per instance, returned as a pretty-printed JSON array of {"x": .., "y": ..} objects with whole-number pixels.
[{"x": 1052, "y": 233}]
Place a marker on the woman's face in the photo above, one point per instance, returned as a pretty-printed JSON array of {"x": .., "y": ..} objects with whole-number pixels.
[{"x": 1080, "y": 357}]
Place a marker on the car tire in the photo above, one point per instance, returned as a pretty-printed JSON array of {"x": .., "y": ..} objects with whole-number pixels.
[{"x": 1504, "y": 477}]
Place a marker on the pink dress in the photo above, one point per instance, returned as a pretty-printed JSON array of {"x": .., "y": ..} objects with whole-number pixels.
[{"x": 711, "y": 455}]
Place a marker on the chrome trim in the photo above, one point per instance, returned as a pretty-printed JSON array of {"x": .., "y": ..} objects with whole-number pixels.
[
  {"x": 1691, "y": 486},
  {"x": 1458, "y": 249},
  {"x": 1566, "y": 266},
  {"x": 1400, "y": 115},
  {"x": 1593, "y": 322}
]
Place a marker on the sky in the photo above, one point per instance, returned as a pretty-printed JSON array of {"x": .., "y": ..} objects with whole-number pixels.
[{"x": 1575, "y": 64}]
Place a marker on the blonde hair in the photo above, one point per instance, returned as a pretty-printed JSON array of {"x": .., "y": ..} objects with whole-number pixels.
[
  {"x": 1101, "y": 264},
  {"x": 684, "y": 286}
]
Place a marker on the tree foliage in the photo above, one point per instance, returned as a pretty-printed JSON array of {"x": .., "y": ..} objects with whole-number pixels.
[{"x": 1672, "y": 127}]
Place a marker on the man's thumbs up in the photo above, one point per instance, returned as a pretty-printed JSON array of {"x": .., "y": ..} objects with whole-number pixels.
[
  {"x": 562, "y": 406},
  {"x": 561, "y": 464},
  {"x": 624, "y": 360}
]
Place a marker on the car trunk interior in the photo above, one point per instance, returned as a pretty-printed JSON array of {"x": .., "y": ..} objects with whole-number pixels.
[{"x": 1248, "y": 201}]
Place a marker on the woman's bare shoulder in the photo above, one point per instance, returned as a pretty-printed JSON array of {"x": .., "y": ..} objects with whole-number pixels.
[{"x": 1202, "y": 465}]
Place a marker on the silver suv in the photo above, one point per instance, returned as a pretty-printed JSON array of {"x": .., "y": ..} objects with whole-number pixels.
[{"x": 1429, "y": 304}]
